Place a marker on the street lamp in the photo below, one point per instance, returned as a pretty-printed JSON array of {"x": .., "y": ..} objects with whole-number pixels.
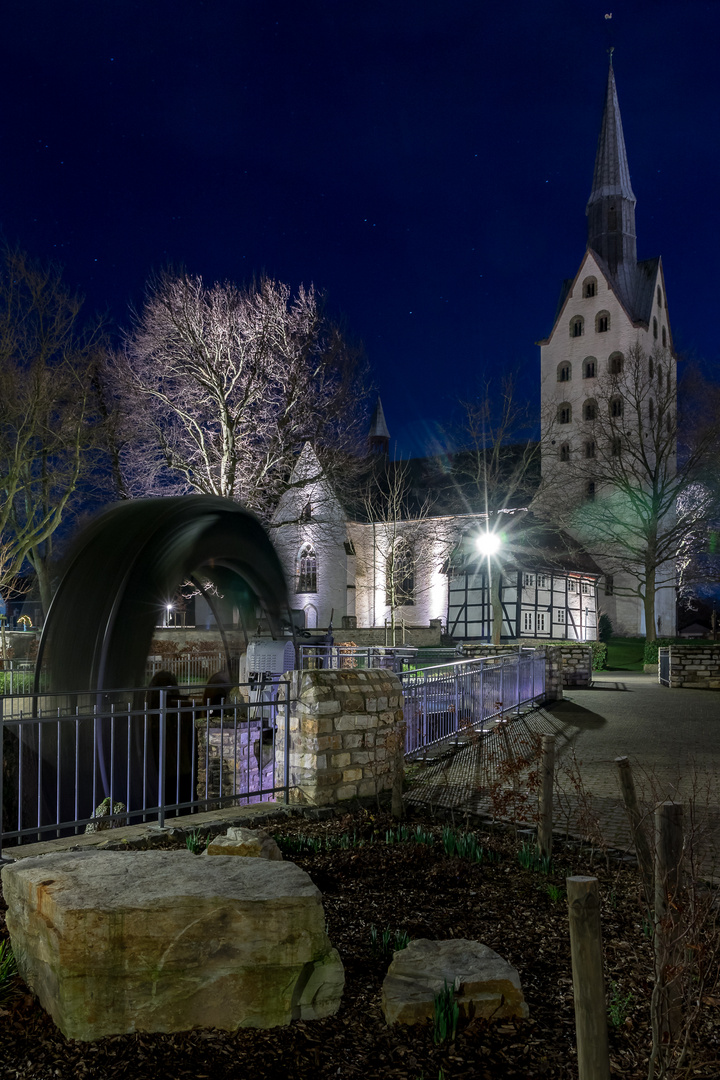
[{"x": 488, "y": 544}]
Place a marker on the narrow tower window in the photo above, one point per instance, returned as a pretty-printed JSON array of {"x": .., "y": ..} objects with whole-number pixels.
[
  {"x": 664, "y": 338},
  {"x": 307, "y": 570},
  {"x": 564, "y": 413},
  {"x": 616, "y": 407},
  {"x": 564, "y": 372},
  {"x": 615, "y": 364},
  {"x": 651, "y": 410},
  {"x": 655, "y": 328},
  {"x": 589, "y": 367},
  {"x": 590, "y": 409},
  {"x": 589, "y": 287},
  {"x": 651, "y": 367},
  {"x": 602, "y": 322},
  {"x": 659, "y": 296},
  {"x": 400, "y": 576},
  {"x": 577, "y": 326},
  {"x": 565, "y": 451}
]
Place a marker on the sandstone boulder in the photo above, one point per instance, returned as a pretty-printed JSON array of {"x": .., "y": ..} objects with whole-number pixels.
[
  {"x": 252, "y": 843},
  {"x": 115, "y": 942},
  {"x": 486, "y": 984}
]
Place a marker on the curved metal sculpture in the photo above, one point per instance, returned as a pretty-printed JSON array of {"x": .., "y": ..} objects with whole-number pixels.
[{"x": 99, "y": 629}]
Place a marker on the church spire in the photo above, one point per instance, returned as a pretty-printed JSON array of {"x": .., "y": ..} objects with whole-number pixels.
[
  {"x": 378, "y": 435},
  {"x": 611, "y": 206}
]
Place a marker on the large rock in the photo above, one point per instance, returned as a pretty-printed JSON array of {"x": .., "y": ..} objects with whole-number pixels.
[
  {"x": 486, "y": 984},
  {"x": 252, "y": 843},
  {"x": 117, "y": 942}
]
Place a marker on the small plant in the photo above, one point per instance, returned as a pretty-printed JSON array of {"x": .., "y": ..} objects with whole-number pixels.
[
  {"x": 619, "y": 1007},
  {"x": 299, "y": 844},
  {"x": 422, "y": 836},
  {"x": 555, "y": 892},
  {"x": 388, "y": 941},
  {"x": 196, "y": 842},
  {"x": 447, "y": 1013},
  {"x": 8, "y": 971},
  {"x": 530, "y": 859}
]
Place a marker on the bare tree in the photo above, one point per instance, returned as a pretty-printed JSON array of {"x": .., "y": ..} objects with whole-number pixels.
[
  {"x": 634, "y": 495},
  {"x": 220, "y": 386},
  {"x": 47, "y": 436}
]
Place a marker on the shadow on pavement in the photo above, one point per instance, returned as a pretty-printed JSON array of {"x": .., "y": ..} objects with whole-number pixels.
[
  {"x": 571, "y": 713},
  {"x": 610, "y": 686}
]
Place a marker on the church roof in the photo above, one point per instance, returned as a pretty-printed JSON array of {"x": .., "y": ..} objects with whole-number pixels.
[
  {"x": 612, "y": 174},
  {"x": 378, "y": 426}
]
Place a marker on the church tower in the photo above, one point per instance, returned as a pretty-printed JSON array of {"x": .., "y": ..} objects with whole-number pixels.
[{"x": 611, "y": 327}]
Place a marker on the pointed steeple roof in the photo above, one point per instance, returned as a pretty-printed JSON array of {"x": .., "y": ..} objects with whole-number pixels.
[
  {"x": 611, "y": 206},
  {"x": 378, "y": 435}
]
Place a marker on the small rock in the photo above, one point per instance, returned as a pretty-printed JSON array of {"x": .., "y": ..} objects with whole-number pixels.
[
  {"x": 487, "y": 985},
  {"x": 252, "y": 843}
]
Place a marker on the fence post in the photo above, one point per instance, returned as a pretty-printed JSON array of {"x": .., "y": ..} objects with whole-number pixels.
[
  {"x": 517, "y": 682},
  {"x": 668, "y": 881},
  {"x": 642, "y": 848},
  {"x": 286, "y": 762},
  {"x": 2, "y": 772},
  {"x": 162, "y": 717},
  {"x": 588, "y": 983},
  {"x": 547, "y": 776}
]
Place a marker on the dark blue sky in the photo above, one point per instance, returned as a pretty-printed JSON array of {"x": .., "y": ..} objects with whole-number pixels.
[{"x": 426, "y": 164}]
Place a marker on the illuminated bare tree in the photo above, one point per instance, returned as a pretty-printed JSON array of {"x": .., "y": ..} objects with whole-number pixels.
[
  {"x": 634, "y": 493},
  {"x": 220, "y": 386},
  {"x": 48, "y": 432}
]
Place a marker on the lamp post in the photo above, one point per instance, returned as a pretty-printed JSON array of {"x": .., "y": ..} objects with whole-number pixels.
[{"x": 489, "y": 544}]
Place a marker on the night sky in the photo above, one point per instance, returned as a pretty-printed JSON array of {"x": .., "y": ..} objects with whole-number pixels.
[{"x": 425, "y": 164}]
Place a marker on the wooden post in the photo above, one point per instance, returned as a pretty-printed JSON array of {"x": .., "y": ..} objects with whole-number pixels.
[
  {"x": 547, "y": 777},
  {"x": 588, "y": 981},
  {"x": 642, "y": 848},
  {"x": 668, "y": 881}
]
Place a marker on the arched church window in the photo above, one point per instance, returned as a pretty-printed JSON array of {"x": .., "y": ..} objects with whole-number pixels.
[
  {"x": 577, "y": 326},
  {"x": 400, "y": 576},
  {"x": 602, "y": 322},
  {"x": 564, "y": 413},
  {"x": 616, "y": 407},
  {"x": 311, "y": 617},
  {"x": 307, "y": 570},
  {"x": 565, "y": 451},
  {"x": 664, "y": 338},
  {"x": 589, "y": 287},
  {"x": 589, "y": 367},
  {"x": 590, "y": 409},
  {"x": 615, "y": 363},
  {"x": 659, "y": 297},
  {"x": 655, "y": 328},
  {"x": 564, "y": 372}
]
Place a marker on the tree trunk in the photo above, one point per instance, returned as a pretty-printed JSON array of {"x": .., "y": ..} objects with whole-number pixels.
[
  {"x": 649, "y": 603},
  {"x": 41, "y": 565}
]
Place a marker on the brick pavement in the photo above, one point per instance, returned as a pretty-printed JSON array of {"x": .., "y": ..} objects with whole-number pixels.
[{"x": 672, "y": 738}]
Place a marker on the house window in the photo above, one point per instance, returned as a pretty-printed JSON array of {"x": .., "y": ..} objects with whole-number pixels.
[
  {"x": 615, "y": 364},
  {"x": 564, "y": 413},
  {"x": 307, "y": 570},
  {"x": 529, "y": 580},
  {"x": 565, "y": 452},
  {"x": 527, "y": 620},
  {"x": 655, "y": 328},
  {"x": 616, "y": 446},
  {"x": 589, "y": 287},
  {"x": 541, "y": 620},
  {"x": 564, "y": 372},
  {"x": 590, "y": 410},
  {"x": 542, "y": 581},
  {"x": 571, "y": 586},
  {"x": 559, "y": 615},
  {"x": 616, "y": 407},
  {"x": 589, "y": 449},
  {"x": 585, "y": 588},
  {"x": 602, "y": 322},
  {"x": 400, "y": 576},
  {"x": 664, "y": 338},
  {"x": 609, "y": 584},
  {"x": 590, "y": 491},
  {"x": 577, "y": 326},
  {"x": 589, "y": 367}
]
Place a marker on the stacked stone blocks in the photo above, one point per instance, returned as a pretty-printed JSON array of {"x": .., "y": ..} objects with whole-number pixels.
[
  {"x": 695, "y": 666},
  {"x": 346, "y": 734}
]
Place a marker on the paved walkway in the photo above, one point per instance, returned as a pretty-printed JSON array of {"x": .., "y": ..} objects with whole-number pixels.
[{"x": 672, "y": 738}]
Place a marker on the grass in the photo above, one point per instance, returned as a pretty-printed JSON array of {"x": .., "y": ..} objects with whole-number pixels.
[
  {"x": 625, "y": 654},
  {"x": 8, "y": 971}
]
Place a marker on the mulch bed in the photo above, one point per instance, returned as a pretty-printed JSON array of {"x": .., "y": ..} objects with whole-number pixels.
[{"x": 413, "y": 887}]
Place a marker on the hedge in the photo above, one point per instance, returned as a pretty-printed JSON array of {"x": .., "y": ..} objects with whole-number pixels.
[{"x": 651, "y": 647}]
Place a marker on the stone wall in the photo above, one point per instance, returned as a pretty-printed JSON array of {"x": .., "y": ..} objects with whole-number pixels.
[
  {"x": 574, "y": 657},
  {"x": 346, "y": 734},
  {"x": 694, "y": 666},
  {"x": 423, "y": 637}
]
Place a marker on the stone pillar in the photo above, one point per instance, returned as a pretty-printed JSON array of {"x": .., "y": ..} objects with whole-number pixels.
[
  {"x": 345, "y": 729},
  {"x": 554, "y": 673}
]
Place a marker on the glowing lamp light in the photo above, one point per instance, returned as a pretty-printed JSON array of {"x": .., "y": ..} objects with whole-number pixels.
[{"x": 488, "y": 543}]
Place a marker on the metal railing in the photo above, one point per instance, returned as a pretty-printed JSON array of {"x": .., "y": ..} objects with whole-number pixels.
[
  {"x": 191, "y": 667},
  {"x": 146, "y": 753},
  {"x": 453, "y": 699},
  {"x": 338, "y": 656},
  {"x": 664, "y": 665},
  {"x": 16, "y": 676}
]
